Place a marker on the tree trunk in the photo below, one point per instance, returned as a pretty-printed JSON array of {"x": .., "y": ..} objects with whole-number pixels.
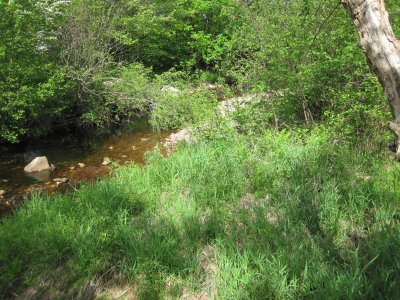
[{"x": 382, "y": 50}]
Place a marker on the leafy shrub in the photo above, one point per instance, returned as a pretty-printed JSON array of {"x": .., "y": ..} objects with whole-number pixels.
[
  {"x": 34, "y": 88},
  {"x": 178, "y": 109},
  {"x": 132, "y": 92}
]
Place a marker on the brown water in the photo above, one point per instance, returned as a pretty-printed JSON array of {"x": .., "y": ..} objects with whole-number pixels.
[{"x": 66, "y": 153}]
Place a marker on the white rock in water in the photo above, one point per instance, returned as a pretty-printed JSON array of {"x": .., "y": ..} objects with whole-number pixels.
[
  {"x": 106, "y": 161},
  {"x": 61, "y": 180},
  {"x": 37, "y": 165}
]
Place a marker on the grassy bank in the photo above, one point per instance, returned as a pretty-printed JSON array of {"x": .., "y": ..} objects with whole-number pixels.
[{"x": 275, "y": 217}]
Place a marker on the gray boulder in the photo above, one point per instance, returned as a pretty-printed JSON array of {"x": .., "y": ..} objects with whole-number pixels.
[{"x": 37, "y": 165}]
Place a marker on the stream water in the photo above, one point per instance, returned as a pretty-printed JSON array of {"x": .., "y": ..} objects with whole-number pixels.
[{"x": 66, "y": 153}]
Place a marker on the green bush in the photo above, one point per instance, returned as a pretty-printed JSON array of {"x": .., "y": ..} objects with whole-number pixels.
[
  {"x": 178, "y": 109},
  {"x": 132, "y": 92},
  {"x": 34, "y": 88},
  {"x": 168, "y": 99}
]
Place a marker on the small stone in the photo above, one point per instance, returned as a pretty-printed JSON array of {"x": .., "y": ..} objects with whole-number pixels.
[
  {"x": 72, "y": 168},
  {"x": 2, "y": 192},
  {"x": 144, "y": 139},
  {"x": 134, "y": 147},
  {"x": 60, "y": 180},
  {"x": 81, "y": 165},
  {"x": 212, "y": 87},
  {"x": 111, "y": 148},
  {"x": 124, "y": 156},
  {"x": 5, "y": 180},
  {"x": 106, "y": 161},
  {"x": 52, "y": 167}
]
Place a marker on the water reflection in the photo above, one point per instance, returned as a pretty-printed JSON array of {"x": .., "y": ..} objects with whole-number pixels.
[{"x": 42, "y": 176}]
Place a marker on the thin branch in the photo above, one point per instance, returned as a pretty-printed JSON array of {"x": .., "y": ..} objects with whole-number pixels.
[{"x": 321, "y": 27}]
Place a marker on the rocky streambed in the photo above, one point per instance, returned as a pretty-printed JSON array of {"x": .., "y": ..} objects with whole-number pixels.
[{"x": 72, "y": 160}]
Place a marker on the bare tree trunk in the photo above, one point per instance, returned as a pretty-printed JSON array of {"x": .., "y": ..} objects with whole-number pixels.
[{"x": 382, "y": 50}]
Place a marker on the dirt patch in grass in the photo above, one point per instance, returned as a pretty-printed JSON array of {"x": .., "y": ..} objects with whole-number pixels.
[{"x": 58, "y": 287}]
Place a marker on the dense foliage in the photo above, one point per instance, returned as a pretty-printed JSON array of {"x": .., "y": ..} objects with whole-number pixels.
[
  {"x": 33, "y": 86},
  {"x": 61, "y": 62}
]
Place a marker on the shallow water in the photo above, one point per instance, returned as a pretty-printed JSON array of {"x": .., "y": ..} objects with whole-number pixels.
[{"x": 66, "y": 153}]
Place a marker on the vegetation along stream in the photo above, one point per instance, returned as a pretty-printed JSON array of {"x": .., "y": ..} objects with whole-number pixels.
[{"x": 287, "y": 183}]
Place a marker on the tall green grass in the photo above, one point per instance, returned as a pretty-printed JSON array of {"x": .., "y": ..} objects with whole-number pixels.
[{"x": 277, "y": 217}]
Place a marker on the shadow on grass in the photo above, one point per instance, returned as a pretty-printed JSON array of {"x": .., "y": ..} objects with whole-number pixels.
[{"x": 217, "y": 220}]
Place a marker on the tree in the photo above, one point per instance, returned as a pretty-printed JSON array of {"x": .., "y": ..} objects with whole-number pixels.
[
  {"x": 32, "y": 83},
  {"x": 382, "y": 49}
]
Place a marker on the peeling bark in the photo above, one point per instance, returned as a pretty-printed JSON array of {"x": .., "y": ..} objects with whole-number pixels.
[{"x": 382, "y": 51}]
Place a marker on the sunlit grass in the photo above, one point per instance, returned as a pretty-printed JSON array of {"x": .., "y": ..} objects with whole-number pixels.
[{"x": 277, "y": 217}]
